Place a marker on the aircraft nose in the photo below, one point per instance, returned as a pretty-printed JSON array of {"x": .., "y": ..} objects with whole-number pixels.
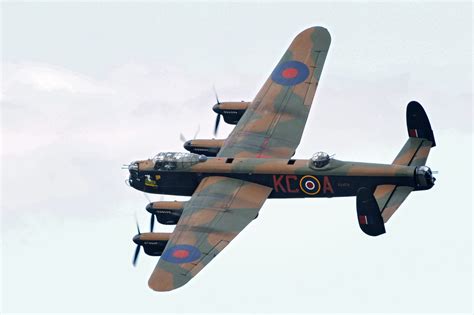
[{"x": 133, "y": 166}]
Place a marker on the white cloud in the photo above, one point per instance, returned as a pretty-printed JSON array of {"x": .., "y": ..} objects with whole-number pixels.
[{"x": 48, "y": 78}]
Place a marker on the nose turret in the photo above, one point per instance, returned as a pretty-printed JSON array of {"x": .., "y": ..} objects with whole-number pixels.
[
  {"x": 133, "y": 166},
  {"x": 133, "y": 179}
]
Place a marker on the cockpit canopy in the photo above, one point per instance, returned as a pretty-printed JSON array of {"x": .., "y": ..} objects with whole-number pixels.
[
  {"x": 167, "y": 161},
  {"x": 320, "y": 159}
]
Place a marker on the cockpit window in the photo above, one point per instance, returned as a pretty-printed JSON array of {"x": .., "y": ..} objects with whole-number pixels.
[
  {"x": 168, "y": 161},
  {"x": 320, "y": 159}
]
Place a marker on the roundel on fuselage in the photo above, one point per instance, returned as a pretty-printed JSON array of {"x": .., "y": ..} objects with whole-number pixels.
[{"x": 310, "y": 185}]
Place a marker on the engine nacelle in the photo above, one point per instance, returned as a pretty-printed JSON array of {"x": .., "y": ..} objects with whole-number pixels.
[
  {"x": 153, "y": 243},
  {"x": 231, "y": 111},
  {"x": 207, "y": 147},
  {"x": 166, "y": 212}
]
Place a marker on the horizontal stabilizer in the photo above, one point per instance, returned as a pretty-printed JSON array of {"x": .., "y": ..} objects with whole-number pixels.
[
  {"x": 414, "y": 153},
  {"x": 389, "y": 198},
  {"x": 368, "y": 213}
]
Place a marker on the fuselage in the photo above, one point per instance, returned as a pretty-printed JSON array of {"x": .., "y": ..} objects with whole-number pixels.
[{"x": 288, "y": 178}]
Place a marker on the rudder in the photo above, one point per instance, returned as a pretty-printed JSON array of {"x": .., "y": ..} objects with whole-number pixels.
[{"x": 421, "y": 138}]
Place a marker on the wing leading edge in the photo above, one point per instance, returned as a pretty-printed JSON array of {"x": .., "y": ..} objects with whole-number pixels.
[
  {"x": 219, "y": 209},
  {"x": 273, "y": 124}
]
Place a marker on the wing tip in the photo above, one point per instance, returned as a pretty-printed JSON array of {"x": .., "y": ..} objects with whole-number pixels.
[
  {"x": 163, "y": 281},
  {"x": 159, "y": 285},
  {"x": 318, "y": 29}
]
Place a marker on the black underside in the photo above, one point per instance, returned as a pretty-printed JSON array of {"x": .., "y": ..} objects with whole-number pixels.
[
  {"x": 168, "y": 217},
  {"x": 207, "y": 151},
  {"x": 232, "y": 117},
  {"x": 284, "y": 186},
  {"x": 155, "y": 248}
]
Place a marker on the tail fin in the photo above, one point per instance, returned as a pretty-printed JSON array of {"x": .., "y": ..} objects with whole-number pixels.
[
  {"x": 368, "y": 213},
  {"x": 414, "y": 153},
  {"x": 421, "y": 138}
]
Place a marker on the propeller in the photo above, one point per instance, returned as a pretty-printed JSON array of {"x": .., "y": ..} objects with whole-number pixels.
[
  {"x": 152, "y": 222},
  {"x": 152, "y": 218},
  {"x": 218, "y": 118},
  {"x": 137, "y": 250},
  {"x": 183, "y": 138}
]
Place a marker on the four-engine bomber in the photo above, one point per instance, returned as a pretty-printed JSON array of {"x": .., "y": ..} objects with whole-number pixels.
[{"x": 230, "y": 179}]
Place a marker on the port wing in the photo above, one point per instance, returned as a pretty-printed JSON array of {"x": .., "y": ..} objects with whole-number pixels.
[
  {"x": 273, "y": 124},
  {"x": 219, "y": 209}
]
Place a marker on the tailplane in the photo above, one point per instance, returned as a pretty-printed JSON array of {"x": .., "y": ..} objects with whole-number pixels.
[
  {"x": 414, "y": 153},
  {"x": 387, "y": 198}
]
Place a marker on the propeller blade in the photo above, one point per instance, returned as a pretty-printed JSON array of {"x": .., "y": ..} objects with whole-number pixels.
[
  {"x": 215, "y": 93},
  {"x": 216, "y": 126},
  {"x": 182, "y": 137},
  {"x": 435, "y": 172},
  {"x": 152, "y": 222},
  {"x": 197, "y": 131},
  {"x": 138, "y": 228},
  {"x": 135, "y": 257}
]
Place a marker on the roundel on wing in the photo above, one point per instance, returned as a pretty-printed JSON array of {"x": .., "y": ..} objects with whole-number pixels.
[
  {"x": 290, "y": 73},
  {"x": 181, "y": 254}
]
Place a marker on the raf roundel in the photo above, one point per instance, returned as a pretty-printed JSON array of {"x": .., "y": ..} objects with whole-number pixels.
[
  {"x": 290, "y": 73},
  {"x": 181, "y": 254},
  {"x": 310, "y": 185}
]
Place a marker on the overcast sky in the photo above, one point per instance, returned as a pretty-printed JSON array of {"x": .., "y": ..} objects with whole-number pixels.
[{"x": 87, "y": 87}]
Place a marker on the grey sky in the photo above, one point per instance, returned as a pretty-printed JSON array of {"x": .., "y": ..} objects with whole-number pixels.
[{"x": 87, "y": 87}]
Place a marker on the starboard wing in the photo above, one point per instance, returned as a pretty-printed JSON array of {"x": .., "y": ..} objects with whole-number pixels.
[
  {"x": 273, "y": 124},
  {"x": 219, "y": 209}
]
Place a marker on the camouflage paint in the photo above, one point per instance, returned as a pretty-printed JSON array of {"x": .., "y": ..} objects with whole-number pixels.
[
  {"x": 295, "y": 180},
  {"x": 219, "y": 209},
  {"x": 272, "y": 125},
  {"x": 253, "y": 165}
]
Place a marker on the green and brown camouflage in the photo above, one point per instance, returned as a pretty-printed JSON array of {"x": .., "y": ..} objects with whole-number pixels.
[
  {"x": 254, "y": 163},
  {"x": 220, "y": 208},
  {"x": 285, "y": 176},
  {"x": 272, "y": 125}
]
